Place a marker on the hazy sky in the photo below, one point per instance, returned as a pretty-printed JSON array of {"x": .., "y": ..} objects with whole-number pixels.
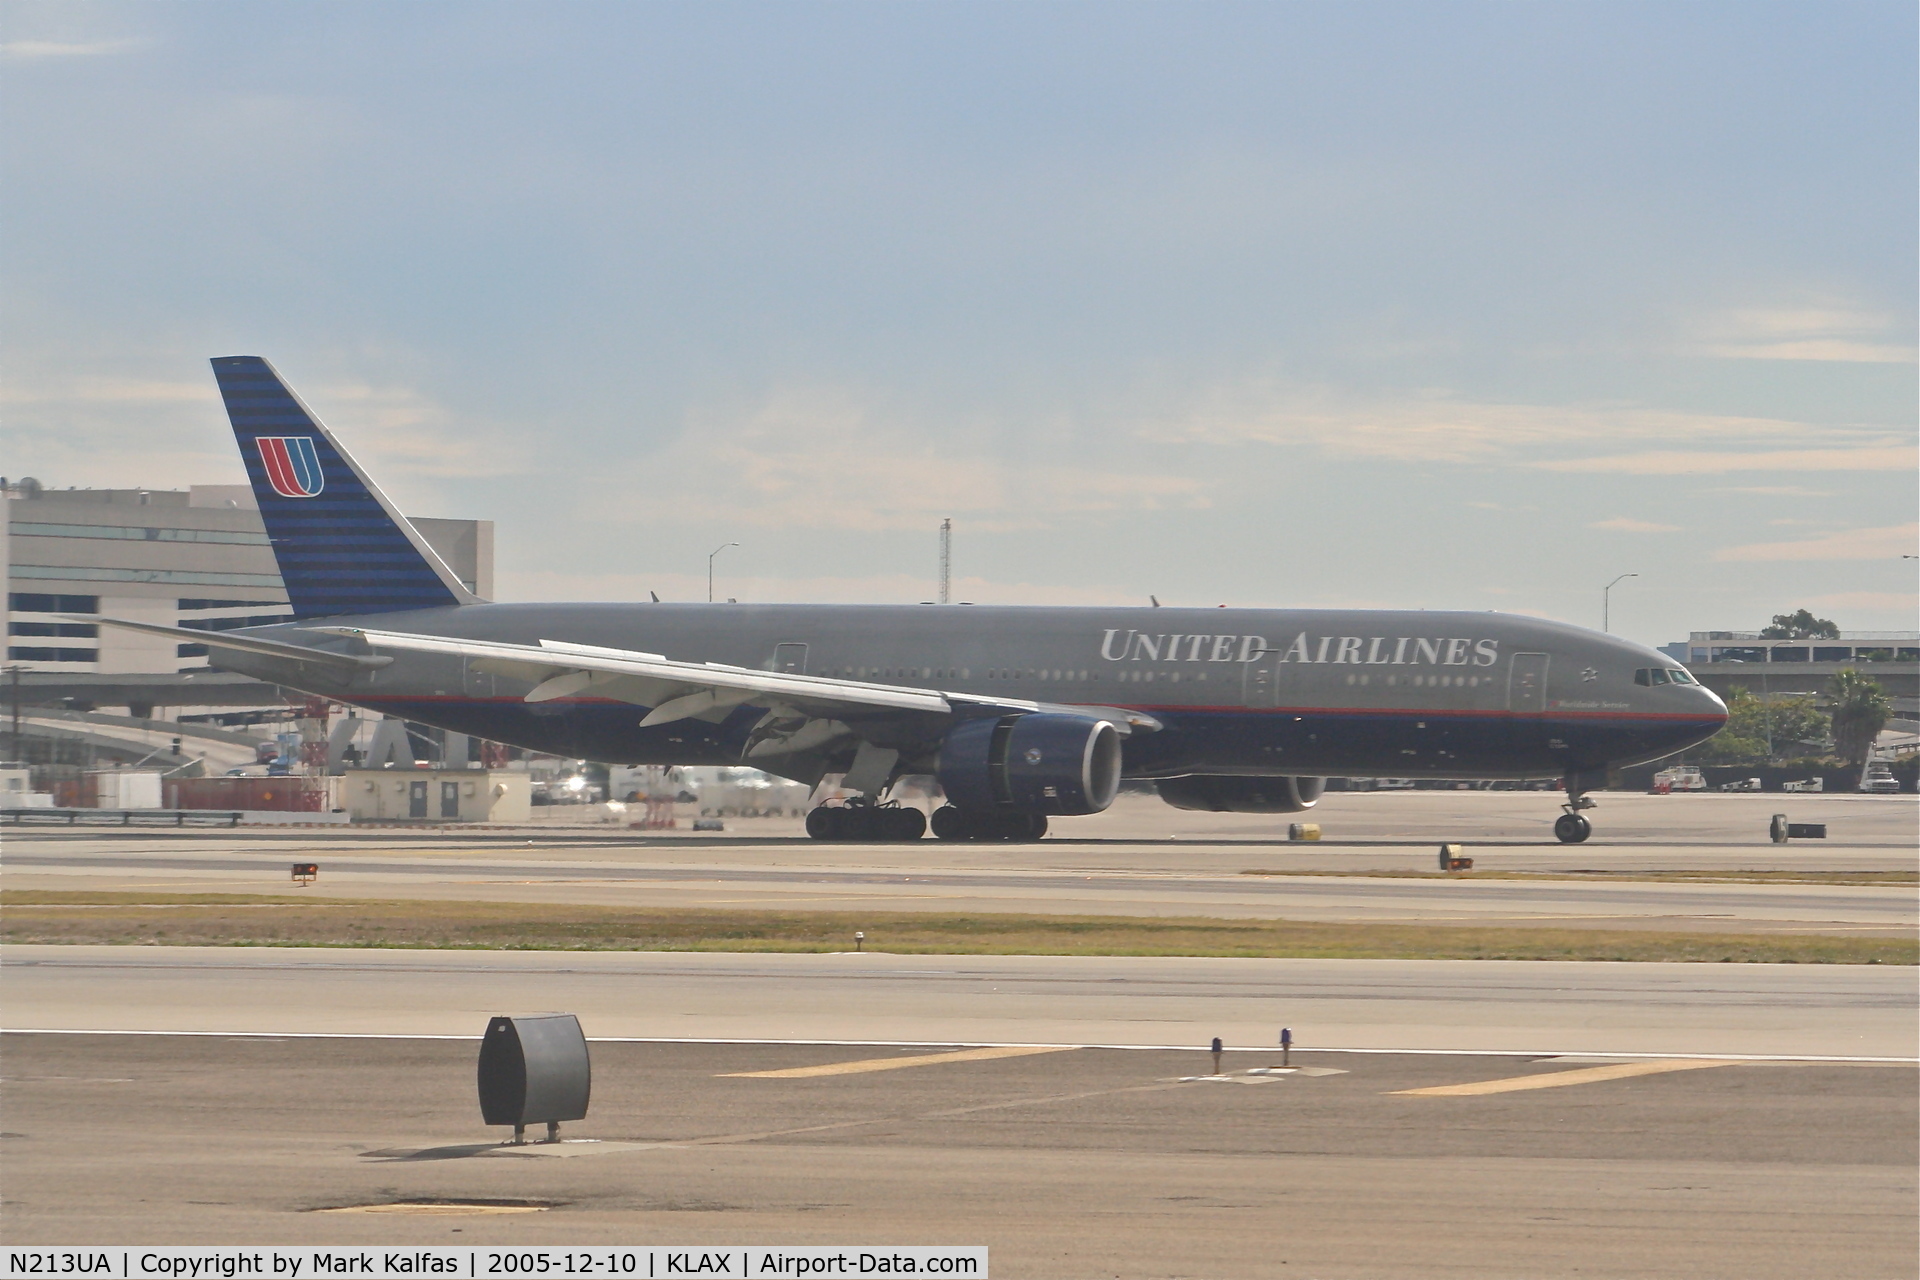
[{"x": 1432, "y": 305}]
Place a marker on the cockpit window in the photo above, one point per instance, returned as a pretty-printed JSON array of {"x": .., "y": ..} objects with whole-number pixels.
[
  {"x": 1680, "y": 677},
  {"x": 1662, "y": 675},
  {"x": 1659, "y": 676}
]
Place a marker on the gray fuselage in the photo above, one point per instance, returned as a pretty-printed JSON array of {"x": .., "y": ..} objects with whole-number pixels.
[{"x": 1236, "y": 691}]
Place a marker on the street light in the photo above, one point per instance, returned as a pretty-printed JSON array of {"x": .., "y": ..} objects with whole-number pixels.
[
  {"x": 716, "y": 551},
  {"x": 1605, "y": 601}
]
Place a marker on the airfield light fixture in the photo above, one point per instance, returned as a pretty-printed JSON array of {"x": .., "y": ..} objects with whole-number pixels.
[
  {"x": 1605, "y": 600},
  {"x": 716, "y": 551},
  {"x": 534, "y": 1070}
]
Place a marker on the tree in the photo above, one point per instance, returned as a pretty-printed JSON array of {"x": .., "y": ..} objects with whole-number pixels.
[
  {"x": 1800, "y": 626},
  {"x": 1860, "y": 712},
  {"x": 1752, "y": 725}
]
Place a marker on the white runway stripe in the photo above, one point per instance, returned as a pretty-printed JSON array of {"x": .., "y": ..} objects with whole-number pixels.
[{"x": 969, "y": 1044}]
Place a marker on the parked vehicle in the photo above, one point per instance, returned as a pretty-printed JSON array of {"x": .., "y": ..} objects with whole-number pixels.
[
  {"x": 1880, "y": 779},
  {"x": 1681, "y": 777},
  {"x": 1740, "y": 784},
  {"x": 1805, "y": 784}
]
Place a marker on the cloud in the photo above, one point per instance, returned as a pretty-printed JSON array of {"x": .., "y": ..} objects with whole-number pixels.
[
  {"x": 823, "y": 458},
  {"x": 63, "y": 48},
  {"x": 96, "y": 390},
  {"x": 1886, "y": 457},
  {"x": 401, "y": 428},
  {"x": 1775, "y": 490},
  {"x": 1837, "y": 334},
  {"x": 1893, "y": 601},
  {"x": 1436, "y": 427},
  {"x": 1624, "y": 524},
  {"x": 1888, "y": 543}
]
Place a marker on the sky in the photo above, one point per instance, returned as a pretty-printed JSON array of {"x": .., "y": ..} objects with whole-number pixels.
[{"x": 1443, "y": 305}]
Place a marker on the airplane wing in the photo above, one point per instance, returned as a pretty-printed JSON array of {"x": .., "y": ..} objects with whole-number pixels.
[
  {"x": 347, "y": 662},
  {"x": 806, "y": 710}
]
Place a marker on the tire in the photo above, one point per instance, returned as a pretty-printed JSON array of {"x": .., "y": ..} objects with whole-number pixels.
[
  {"x": 823, "y": 823},
  {"x": 950, "y": 823},
  {"x": 1571, "y": 828},
  {"x": 905, "y": 823}
]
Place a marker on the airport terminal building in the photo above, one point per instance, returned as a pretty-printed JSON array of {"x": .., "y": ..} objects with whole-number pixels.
[{"x": 197, "y": 558}]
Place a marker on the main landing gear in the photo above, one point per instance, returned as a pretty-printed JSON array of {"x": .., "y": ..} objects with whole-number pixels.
[
  {"x": 866, "y": 822},
  {"x": 950, "y": 823}
]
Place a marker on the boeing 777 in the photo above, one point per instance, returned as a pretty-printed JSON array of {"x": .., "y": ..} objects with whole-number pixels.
[{"x": 1021, "y": 714}]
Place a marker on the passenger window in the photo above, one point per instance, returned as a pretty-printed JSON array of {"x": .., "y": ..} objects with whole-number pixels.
[{"x": 1659, "y": 676}]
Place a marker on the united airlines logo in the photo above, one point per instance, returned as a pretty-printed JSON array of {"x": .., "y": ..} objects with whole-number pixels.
[
  {"x": 1359, "y": 651},
  {"x": 293, "y": 465}
]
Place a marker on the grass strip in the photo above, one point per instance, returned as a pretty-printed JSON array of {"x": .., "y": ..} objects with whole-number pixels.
[
  {"x": 1895, "y": 878},
  {"x": 283, "y": 920}
]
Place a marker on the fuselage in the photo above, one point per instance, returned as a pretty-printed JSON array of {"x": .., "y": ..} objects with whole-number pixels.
[{"x": 1236, "y": 691}]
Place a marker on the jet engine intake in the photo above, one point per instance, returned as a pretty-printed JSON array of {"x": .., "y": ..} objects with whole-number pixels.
[
  {"x": 1220, "y": 793},
  {"x": 1043, "y": 763}
]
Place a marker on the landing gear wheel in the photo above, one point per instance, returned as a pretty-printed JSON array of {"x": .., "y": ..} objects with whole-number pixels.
[
  {"x": 824, "y": 823},
  {"x": 903, "y": 824},
  {"x": 1571, "y": 828},
  {"x": 950, "y": 823}
]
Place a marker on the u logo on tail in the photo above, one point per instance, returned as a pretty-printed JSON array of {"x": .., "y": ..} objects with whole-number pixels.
[{"x": 293, "y": 465}]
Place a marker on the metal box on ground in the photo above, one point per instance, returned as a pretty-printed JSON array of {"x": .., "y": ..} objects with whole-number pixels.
[{"x": 534, "y": 1070}]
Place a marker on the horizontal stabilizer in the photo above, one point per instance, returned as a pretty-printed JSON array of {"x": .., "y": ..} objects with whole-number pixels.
[{"x": 247, "y": 644}]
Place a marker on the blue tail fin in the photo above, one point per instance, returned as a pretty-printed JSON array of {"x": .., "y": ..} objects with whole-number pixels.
[{"x": 341, "y": 545}]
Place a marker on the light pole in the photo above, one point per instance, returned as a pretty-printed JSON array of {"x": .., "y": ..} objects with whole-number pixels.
[
  {"x": 716, "y": 551},
  {"x": 1606, "y": 602}
]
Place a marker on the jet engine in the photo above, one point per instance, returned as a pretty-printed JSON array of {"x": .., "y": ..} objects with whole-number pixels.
[
  {"x": 1043, "y": 763},
  {"x": 1219, "y": 793}
]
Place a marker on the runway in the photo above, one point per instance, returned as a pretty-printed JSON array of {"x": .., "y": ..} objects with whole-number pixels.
[
  {"x": 1461, "y": 1118},
  {"x": 1172, "y": 863},
  {"x": 1472, "y": 1006},
  {"x": 1078, "y": 1163}
]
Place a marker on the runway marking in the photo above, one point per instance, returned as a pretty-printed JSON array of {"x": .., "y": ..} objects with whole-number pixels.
[
  {"x": 1637, "y": 1056},
  {"x": 894, "y": 1064},
  {"x": 1555, "y": 1079}
]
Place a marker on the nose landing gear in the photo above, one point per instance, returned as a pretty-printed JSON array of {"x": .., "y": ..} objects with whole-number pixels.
[{"x": 1572, "y": 826}]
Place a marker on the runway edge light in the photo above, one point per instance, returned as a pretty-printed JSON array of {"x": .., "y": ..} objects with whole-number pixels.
[{"x": 534, "y": 1070}]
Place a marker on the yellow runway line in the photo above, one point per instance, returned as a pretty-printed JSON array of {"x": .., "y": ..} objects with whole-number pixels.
[
  {"x": 894, "y": 1064},
  {"x": 1555, "y": 1079}
]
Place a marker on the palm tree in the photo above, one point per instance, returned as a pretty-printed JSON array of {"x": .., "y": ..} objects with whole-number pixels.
[{"x": 1860, "y": 712}]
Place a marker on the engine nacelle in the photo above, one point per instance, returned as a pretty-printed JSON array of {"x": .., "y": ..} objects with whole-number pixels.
[
  {"x": 1221, "y": 793},
  {"x": 1040, "y": 763}
]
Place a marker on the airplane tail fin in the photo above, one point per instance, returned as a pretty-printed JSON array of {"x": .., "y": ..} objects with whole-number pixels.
[{"x": 341, "y": 545}]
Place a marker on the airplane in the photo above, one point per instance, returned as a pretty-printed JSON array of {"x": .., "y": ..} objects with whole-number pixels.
[{"x": 1019, "y": 714}]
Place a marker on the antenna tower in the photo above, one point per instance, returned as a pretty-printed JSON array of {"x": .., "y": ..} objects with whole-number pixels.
[{"x": 946, "y": 561}]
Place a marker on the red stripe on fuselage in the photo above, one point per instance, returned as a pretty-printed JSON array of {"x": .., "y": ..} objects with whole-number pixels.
[{"x": 1400, "y": 712}]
